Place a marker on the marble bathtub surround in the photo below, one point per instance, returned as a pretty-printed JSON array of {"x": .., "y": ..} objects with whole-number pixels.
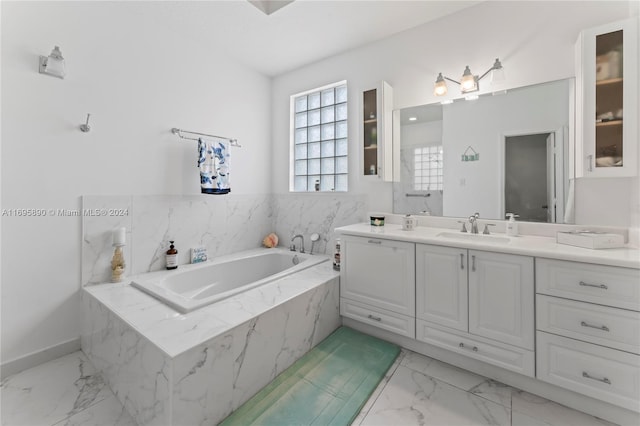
[
  {"x": 222, "y": 225},
  {"x": 170, "y": 368}
]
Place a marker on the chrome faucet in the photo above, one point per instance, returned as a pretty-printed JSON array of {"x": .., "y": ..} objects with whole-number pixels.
[
  {"x": 293, "y": 246},
  {"x": 473, "y": 220}
]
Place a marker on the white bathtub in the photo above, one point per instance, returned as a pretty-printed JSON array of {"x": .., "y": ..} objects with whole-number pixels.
[{"x": 193, "y": 286}]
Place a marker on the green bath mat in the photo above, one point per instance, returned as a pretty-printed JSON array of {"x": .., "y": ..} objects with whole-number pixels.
[{"x": 327, "y": 386}]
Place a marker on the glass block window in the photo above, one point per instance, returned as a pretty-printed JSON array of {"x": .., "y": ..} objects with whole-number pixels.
[
  {"x": 427, "y": 168},
  {"x": 319, "y": 139}
]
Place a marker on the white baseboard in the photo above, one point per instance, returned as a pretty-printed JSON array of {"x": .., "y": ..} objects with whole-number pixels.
[{"x": 33, "y": 359}]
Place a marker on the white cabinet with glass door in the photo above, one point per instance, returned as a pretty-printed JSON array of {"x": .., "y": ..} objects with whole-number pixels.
[
  {"x": 376, "y": 132},
  {"x": 607, "y": 100}
]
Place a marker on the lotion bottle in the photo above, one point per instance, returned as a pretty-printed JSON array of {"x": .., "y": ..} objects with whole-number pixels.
[
  {"x": 172, "y": 257},
  {"x": 512, "y": 225}
]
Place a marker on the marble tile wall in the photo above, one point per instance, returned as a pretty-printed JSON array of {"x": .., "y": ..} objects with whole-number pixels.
[
  {"x": 223, "y": 225},
  {"x": 317, "y": 213}
]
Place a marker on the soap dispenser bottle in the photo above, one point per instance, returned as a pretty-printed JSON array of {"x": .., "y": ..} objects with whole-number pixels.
[
  {"x": 512, "y": 225},
  {"x": 172, "y": 257}
]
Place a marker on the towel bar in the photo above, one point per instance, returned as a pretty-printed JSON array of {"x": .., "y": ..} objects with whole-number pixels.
[{"x": 179, "y": 132}]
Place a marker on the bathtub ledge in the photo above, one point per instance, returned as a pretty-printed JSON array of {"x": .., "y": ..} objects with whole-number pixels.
[{"x": 161, "y": 324}]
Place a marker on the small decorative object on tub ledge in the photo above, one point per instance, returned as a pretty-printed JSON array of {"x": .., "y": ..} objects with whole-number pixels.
[
  {"x": 199, "y": 254},
  {"x": 172, "y": 257},
  {"x": 270, "y": 240},
  {"x": 117, "y": 262},
  {"x": 336, "y": 256}
]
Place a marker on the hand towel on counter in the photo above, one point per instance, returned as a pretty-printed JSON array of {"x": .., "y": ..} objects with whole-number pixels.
[{"x": 213, "y": 161}]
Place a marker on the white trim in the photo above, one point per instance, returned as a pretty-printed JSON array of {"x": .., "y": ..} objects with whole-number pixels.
[{"x": 36, "y": 358}]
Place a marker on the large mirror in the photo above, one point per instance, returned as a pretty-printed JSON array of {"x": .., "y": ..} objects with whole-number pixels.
[{"x": 507, "y": 152}]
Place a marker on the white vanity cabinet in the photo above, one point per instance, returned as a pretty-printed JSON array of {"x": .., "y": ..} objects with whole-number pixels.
[
  {"x": 501, "y": 298},
  {"x": 588, "y": 329},
  {"x": 550, "y": 317},
  {"x": 377, "y": 283},
  {"x": 442, "y": 286},
  {"x": 477, "y": 303},
  {"x": 607, "y": 100}
]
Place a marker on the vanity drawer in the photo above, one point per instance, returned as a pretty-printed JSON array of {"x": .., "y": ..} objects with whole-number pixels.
[
  {"x": 506, "y": 356},
  {"x": 604, "y": 285},
  {"x": 602, "y": 373},
  {"x": 602, "y": 325},
  {"x": 390, "y": 321}
]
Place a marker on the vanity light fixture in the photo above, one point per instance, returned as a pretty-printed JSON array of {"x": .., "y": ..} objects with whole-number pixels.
[
  {"x": 53, "y": 64},
  {"x": 469, "y": 82}
]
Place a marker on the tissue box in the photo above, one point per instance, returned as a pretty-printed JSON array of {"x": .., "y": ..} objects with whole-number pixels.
[{"x": 590, "y": 239}]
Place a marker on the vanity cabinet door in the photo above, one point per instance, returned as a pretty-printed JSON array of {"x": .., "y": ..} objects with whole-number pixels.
[
  {"x": 379, "y": 272},
  {"x": 441, "y": 286},
  {"x": 607, "y": 100},
  {"x": 501, "y": 297}
]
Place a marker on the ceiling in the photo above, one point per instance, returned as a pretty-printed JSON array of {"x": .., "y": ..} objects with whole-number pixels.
[{"x": 276, "y": 38}]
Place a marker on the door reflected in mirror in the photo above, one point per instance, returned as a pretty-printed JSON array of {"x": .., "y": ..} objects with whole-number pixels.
[{"x": 502, "y": 153}]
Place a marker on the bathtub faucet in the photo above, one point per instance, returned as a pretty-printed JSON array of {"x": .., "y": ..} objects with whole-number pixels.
[{"x": 293, "y": 246}]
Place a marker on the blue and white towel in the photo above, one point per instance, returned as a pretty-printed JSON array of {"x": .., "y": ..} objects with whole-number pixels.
[{"x": 213, "y": 161}]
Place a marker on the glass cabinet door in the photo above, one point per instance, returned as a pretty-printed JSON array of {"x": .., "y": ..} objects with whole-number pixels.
[
  {"x": 376, "y": 130},
  {"x": 370, "y": 131},
  {"x": 609, "y": 100}
]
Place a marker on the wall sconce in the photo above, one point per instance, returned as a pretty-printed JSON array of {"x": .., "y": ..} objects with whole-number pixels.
[
  {"x": 53, "y": 64},
  {"x": 469, "y": 82}
]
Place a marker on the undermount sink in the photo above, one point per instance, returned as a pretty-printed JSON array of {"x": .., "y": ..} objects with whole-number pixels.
[{"x": 474, "y": 237}]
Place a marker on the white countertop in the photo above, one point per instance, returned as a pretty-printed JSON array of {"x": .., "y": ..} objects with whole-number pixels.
[{"x": 547, "y": 247}]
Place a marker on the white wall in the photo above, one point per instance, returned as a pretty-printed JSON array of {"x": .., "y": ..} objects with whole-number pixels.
[
  {"x": 534, "y": 41},
  {"x": 139, "y": 74}
]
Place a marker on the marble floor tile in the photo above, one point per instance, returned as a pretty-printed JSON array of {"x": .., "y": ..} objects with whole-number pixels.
[
  {"x": 447, "y": 373},
  {"x": 378, "y": 390},
  {"x": 51, "y": 392},
  {"x": 106, "y": 412},
  {"x": 412, "y": 398},
  {"x": 547, "y": 412},
  {"x": 495, "y": 391}
]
